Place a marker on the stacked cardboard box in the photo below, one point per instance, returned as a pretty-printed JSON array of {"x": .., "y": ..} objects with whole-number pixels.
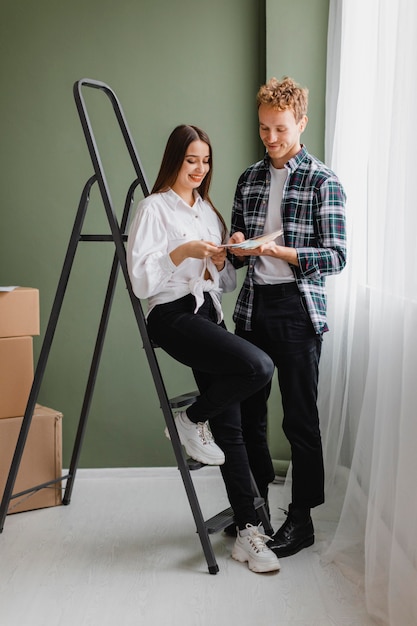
[{"x": 42, "y": 457}]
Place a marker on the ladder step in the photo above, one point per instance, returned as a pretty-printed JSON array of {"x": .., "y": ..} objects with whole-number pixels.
[
  {"x": 223, "y": 519},
  {"x": 184, "y": 399},
  {"x": 220, "y": 521},
  {"x": 258, "y": 502}
]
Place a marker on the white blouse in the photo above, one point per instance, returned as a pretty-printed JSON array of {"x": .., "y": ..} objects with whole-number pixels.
[{"x": 162, "y": 222}]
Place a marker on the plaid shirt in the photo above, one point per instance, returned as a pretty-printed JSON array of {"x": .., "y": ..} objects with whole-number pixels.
[{"x": 313, "y": 216}]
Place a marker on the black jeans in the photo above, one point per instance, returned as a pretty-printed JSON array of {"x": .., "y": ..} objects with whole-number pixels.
[
  {"x": 283, "y": 329},
  {"x": 227, "y": 370}
]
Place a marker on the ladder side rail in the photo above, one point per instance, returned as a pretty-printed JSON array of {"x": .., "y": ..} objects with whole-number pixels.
[
  {"x": 121, "y": 253},
  {"x": 169, "y": 420},
  {"x": 175, "y": 440},
  {"x": 46, "y": 346},
  {"x": 96, "y": 160},
  {"x": 82, "y": 424},
  {"x": 91, "y": 381}
]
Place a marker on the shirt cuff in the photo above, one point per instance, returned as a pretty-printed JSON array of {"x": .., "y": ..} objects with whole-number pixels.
[{"x": 307, "y": 266}]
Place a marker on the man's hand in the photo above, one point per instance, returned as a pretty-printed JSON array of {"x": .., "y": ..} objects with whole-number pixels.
[
  {"x": 237, "y": 238},
  {"x": 267, "y": 249}
]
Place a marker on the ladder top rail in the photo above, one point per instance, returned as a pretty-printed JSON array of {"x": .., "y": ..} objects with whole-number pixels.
[
  {"x": 117, "y": 107},
  {"x": 92, "y": 144}
]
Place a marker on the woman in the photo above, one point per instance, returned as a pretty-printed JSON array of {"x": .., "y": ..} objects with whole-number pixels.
[{"x": 176, "y": 260}]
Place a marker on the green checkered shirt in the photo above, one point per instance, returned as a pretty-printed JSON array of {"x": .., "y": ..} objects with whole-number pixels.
[{"x": 313, "y": 217}]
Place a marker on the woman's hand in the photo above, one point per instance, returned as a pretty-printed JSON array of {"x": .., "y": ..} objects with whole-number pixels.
[
  {"x": 219, "y": 259},
  {"x": 197, "y": 249}
]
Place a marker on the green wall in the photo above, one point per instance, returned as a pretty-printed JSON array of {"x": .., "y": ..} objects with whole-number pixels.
[
  {"x": 168, "y": 62},
  {"x": 296, "y": 45}
]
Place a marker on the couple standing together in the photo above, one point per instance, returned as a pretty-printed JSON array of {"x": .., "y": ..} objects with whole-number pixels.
[{"x": 176, "y": 260}]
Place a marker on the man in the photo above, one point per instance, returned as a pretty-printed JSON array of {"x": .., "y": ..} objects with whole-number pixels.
[{"x": 281, "y": 307}]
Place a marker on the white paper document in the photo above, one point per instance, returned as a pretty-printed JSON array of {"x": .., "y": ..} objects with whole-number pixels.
[{"x": 255, "y": 242}]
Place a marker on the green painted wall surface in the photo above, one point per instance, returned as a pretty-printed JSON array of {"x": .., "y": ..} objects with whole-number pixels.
[
  {"x": 296, "y": 44},
  {"x": 168, "y": 62}
]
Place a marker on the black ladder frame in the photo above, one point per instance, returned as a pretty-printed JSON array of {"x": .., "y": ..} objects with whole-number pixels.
[{"x": 118, "y": 236}]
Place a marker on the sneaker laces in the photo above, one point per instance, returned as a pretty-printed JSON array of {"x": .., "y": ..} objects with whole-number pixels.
[
  {"x": 257, "y": 539},
  {"x": 204, "y": 433}
]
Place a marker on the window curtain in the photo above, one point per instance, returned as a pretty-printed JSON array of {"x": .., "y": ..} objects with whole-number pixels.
[{"x": 368, "y": 385}]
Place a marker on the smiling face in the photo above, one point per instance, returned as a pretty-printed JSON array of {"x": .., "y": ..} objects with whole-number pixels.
[
  {"x": 193, "y": 170},
  {"x": 280, "y": 133}
]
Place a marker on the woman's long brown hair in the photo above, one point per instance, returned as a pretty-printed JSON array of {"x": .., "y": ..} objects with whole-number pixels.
[{"x": 173, "y": 158}]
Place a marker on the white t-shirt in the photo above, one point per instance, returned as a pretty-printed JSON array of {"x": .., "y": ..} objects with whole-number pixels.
[
  {"x": 268, "y": 270},
  {"x": 162, "y": 222}
]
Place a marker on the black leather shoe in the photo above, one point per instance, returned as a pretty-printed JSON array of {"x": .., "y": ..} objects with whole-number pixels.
[{"x": 294, "y": 535}]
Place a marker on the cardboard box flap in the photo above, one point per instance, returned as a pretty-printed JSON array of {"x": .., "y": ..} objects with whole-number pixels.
[{"x": 19, "y": 312}]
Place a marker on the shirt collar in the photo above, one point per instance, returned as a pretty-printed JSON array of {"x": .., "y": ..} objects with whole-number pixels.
[
  {"x": 292, "y": 164},
  {"x": 177, "y": 200}
]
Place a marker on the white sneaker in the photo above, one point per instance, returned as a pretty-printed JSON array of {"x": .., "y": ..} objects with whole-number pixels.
[
  {"x": 197, "y": 440},
  {"x": 250, "y": 546}
]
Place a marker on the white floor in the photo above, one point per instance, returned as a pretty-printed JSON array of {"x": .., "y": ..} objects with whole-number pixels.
[{"x": 125, "y": 552}]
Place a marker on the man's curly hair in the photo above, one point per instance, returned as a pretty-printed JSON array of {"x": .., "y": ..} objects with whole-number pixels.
[{"x": 284, "y": 94}]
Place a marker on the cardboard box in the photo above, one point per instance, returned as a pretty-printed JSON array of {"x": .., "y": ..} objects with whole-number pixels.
[
  {"x": 16, "y": 375},
  {"x": 19, "y": 312},
  {"x": 41, "y": 460}
]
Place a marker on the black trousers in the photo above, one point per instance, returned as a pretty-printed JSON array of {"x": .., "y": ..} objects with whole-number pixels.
[
  {"x": 227, "y": 370},
  {"x": 283, "y": 329}
]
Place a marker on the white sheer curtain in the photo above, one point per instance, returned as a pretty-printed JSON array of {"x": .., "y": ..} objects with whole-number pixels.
[{"x": 368, "y": 392}]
